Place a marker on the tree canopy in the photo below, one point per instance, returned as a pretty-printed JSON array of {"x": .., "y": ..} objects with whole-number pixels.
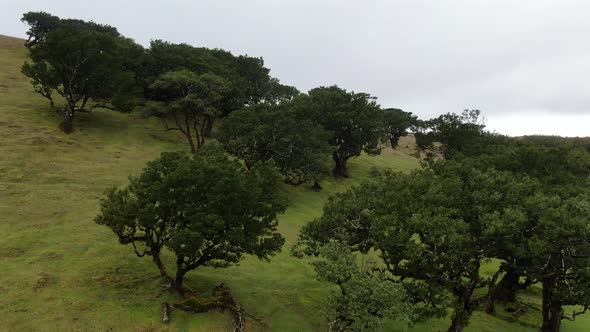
[
  {"x": 563, "y": 172},
  {"x": 398, "y": 123},
  {"x": 188, "y": 102},
  {"x": 247, "y": 80},
  {"x": 264, "y": 133},
  {"x": 354, "y": 120},
  {"x": 206, "y": 208},
  {"x": 89, "y": 65},
  {"x": 457, "y": 133},
  {"x": 435, "y": 227},
  {"x": 363, "y": 299}
]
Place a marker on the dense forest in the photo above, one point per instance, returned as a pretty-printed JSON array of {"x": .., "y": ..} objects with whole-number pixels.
[{"x": 481, "y": 220}]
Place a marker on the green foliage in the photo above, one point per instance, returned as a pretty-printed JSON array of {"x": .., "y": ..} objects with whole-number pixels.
[
  {"x": 432, "y": 229},
  {"x": 257, "y": 85},
  {"x": 188, "y": 102},
  {"x": 557, "y": 167},
  {"x": 363, "y": 299},
  {"x": 248, "y": 78},
  {"x": 81, "y": 62},
  {"x": 458, "y": 133},
  {"x": 557, "y": 141},
  {"x": 276, "y": 93},
  {"x": 245, "y": 82},
  {"x": 526, "y": 205},
  {"x": 531, "y": 247},
  {"x": 551, "y": 241},
  {"x": 207, "y": 209},
  {"x": 354, "y": 119},
  {"x": 398, "y": 123},
  {"x": 163, "y": 57},
  {"x": 40, "y": 24},
  {"x": 262, "y": 133}
]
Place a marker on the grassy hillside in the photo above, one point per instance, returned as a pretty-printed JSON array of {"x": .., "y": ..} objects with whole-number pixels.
[{"x": 62, "y": 272}]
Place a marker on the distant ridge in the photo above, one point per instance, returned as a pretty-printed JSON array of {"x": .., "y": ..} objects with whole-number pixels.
[{"x": 11, "y": 42}]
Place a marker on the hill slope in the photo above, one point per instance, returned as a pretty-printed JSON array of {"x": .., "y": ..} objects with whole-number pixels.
[
  {"x": 11, "y": 42},
  {"x": 61, "y": 271}
]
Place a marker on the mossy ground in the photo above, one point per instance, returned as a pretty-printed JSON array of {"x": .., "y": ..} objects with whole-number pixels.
[{"x": 59, "y": 271}]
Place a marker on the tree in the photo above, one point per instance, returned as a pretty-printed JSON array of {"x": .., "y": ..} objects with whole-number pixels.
[
  {"x": 164, "y": 57},
  {"x": 398, "y": 123},
  {"x": 551, "y": 246},
  {"x": 559, "y": 168},
  {"x": 354, "y": 119},
  {"x": 458, "y": 133},
  {"x": 363, "y": 299},
  {"x": 187, "y": 102},
  {"x": 555, "y": 163},
  {"x": 206, "y": 208},
  {"x": 82, "y": 62},
  {"x": 248, "y": 80},
  {"x": 432, "y": 229},
  {"x": 263, "y": 133},
  {"x": 559, "y": 255}
]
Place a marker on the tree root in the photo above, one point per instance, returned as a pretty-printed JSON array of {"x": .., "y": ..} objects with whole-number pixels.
[
  {"x": 220, "y": 300},
  {"x": 230, "y": 303},
  {"x": 165, "y": 312}
]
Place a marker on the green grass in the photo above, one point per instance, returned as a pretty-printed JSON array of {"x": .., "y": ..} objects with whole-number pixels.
[{"x": 62, "y": 272}]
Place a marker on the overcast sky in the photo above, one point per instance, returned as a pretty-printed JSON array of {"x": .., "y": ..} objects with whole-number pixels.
[{"x": 525, "y": 63}]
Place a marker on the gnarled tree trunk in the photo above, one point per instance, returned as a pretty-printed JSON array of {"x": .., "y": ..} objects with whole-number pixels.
[
  {"x": 464, "y": 307},
  {"x": 340, "y": 170},
  {"x": 67, "y": 124},
  {"x": 508, "y": 285},
  {"x": 162, "y": 268},
  {"x": 492, "y": 292},
  {"x": 462, "y": 314},
  {"x": 394, "y": 140},
  {"x": 506, "y": 289},
  {"x": 179, "y": 281},
  {"x": 552, "y": 310}
]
